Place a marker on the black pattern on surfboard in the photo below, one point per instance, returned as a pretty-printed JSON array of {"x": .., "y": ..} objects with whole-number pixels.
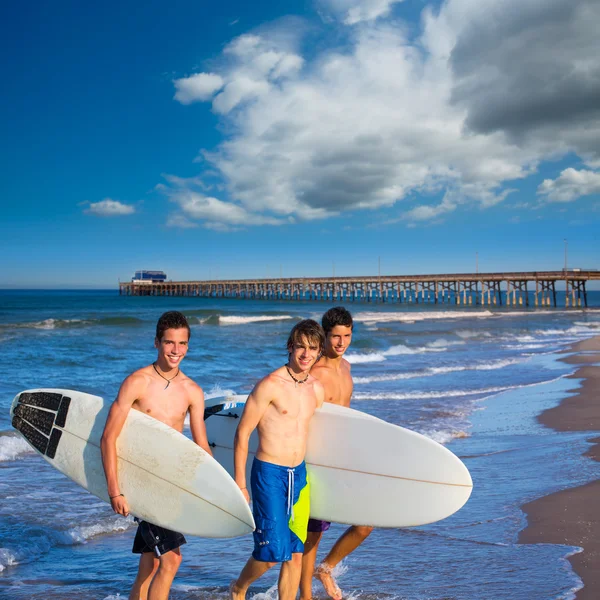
[
  {"x": 37, "y": 416},
  {"x": 218, "y": 408}
]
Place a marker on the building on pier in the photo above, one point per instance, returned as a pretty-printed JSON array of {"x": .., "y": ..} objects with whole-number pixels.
[
  {"x": 145, "y": 277},
  {"x": 537, "y": 288}
]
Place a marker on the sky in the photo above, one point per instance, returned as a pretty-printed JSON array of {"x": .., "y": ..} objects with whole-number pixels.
[{"x": 302, "y": 138}]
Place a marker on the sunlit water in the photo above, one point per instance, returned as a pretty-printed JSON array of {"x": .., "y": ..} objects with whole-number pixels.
[{"x": 473, "y": 379}]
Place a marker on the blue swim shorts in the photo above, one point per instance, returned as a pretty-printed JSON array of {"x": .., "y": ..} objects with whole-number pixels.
[{"x": 280, "y": 504}]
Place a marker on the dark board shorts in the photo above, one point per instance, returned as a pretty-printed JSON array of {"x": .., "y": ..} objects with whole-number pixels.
[
  {"x": 152, "y": 538},
  {"x": 317, "y": 526}
]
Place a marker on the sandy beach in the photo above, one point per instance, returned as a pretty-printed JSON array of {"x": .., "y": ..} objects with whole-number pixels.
[{"x": 571, "y": 516}]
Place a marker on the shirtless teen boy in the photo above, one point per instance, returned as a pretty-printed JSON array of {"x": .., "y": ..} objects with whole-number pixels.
[
  {"x": 280, "y": 407},
  {"x": 161, "y": 391},
  {"x": 333, "y": 371}
]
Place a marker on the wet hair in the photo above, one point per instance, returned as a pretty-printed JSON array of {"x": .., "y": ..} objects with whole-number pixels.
[
  {"x": 308, "y": 329},
  {"x": 172, "y": 319},
  {"x": 336, "y": 316}
]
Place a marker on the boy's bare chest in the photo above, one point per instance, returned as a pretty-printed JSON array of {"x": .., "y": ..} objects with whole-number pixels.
[{"x": 167, "y": 406}]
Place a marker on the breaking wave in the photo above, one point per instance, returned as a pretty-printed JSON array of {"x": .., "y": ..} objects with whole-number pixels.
[{"x": 12, "y": 446}]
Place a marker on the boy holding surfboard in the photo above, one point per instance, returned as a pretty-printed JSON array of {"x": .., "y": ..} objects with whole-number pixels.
[
  {"x": 333, "y": 371},
  {"x": 162, "y": 391},
  {"x": 280, "y": 407}
]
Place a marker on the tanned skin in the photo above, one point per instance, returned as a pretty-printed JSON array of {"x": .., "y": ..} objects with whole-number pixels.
[
  {"x": 280, "y": 410},
  {"x": 144, "y": 390},
  {"x": 333, "y": 371}
]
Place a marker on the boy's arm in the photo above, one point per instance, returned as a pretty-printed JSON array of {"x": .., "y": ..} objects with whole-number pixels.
[
  {"x": 319, "y": 393},
  {"x": 197, "y": 425},
  {"x": 254, "y": 409},
  {"x": 128, "y": 394}
]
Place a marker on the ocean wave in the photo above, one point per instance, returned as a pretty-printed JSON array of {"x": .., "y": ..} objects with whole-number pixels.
[
  {"x": 431, "y": 371},
  {"x": 428, "y": 395},
  {"x": 216, "y": 391},
  {"x": 469, "y": 334},
  {"x": 82, "y": 533},
  {"x": 444, "y": 343},
  {"x": 243, "y": 320},
  {"x": 398, "y": 350},
  {"x": 444, "y": 436},
  {"x": 53, "y": 323},
  {"x": 7, "y": 558},
  {"x": 12, "y": 446},
  {"x": 410, "y": 317},
  {"x": 36, "y": 541}
]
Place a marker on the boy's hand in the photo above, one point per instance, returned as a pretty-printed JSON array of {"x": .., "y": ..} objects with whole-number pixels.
[
  {"x": 120, "y": 505},
  {"x": 246, "y": 495}
]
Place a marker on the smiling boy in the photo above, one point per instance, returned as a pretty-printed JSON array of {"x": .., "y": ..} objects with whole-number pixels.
[
  {"x": 280, "y": 407},
  {"x": 333, "y": 371},
  {"x": 162, "y": 391}
]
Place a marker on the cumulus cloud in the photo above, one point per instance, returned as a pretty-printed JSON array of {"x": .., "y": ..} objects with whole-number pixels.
[
  {"x": 352, "y": 12},
  {"x": 530, "y": 69},
  {"x": 256, "y": 65},
  {"x": 570, "y": 185},
  {"x": 467, "y": 108},
  {"x": 109, "y": 208},
  {"x": 196, "y": 205},
  {"x": 198, "y": 87}
]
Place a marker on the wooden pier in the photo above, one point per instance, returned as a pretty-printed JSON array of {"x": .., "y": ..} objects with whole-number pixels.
[{"x": 537, "y": 288}]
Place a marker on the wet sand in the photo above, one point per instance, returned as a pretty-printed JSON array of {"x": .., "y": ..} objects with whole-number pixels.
[{"x": 572, "y": 516}]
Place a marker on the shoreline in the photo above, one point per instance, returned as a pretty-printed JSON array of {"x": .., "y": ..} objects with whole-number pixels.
[{"x": 571, "y": 516}]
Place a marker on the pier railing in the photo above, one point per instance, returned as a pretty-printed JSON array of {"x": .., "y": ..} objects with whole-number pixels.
[{"x": 536, "y": 288}]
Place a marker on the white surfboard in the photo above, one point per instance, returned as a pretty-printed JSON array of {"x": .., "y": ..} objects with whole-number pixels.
[
  {"x": 362, "y": 470},
  {"x": 167, "y": 479}
]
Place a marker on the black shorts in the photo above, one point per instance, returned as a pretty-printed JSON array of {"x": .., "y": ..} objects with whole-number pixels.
[{"x": 152, "y": 538}]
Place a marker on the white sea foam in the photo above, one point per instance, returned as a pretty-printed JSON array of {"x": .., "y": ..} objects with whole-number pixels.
[
  {"x": 7, "y": 559},
  {"x": 444, "y": 343},
  {"x": 239, "y": 320},
  {"x": 370, "y": 357},
  {"x": 443, "y": 436},
  {"x": 54, "y": 323},
  {"x": 398, "y": 350},
  {"x": 427, "y": 395},
  {"x": 390, "y": 317},
  {"x": 216, "y": 391},
  {"x": 430, "y": 371},
  {"x": 468, "y": 334},
  {"x": 12, "y": 446},
  {"x": 82, "y": 533}
]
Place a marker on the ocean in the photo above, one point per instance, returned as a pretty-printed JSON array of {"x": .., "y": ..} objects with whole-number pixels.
[{"x": 472, "y": 378}]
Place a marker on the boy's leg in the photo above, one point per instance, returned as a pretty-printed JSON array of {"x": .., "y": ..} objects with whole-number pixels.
[
  {"x": 250, "y": 573},
  {"x": 161, "y": 582},
  {"x": 350, "y": 540},
  {"x": 309, "y": 559},
  {"x": 289, "y": 577},
  {"x": 146, "y": 571}
]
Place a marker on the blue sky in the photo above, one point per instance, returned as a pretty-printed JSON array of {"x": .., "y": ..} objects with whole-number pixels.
[{"x": 235, "y": 139}]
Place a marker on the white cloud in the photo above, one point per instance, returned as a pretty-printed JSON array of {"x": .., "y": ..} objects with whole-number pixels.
[
  {"x": 180, "y": 221},
  {"x": 214, "y": 213},
  {"x": 383, "y": 116},
  {"x": 198, "y": 87},
  {"x": 352, "y": 12},
  {"x": 255, "y": 67},
  {"x": 570, "y": 185},
  {"x": 109, "y": 208}
]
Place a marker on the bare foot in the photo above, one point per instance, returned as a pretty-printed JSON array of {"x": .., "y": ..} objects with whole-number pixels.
[
  {"x": 235, "y": 593},
  {"x": 332, "y": 589}
]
